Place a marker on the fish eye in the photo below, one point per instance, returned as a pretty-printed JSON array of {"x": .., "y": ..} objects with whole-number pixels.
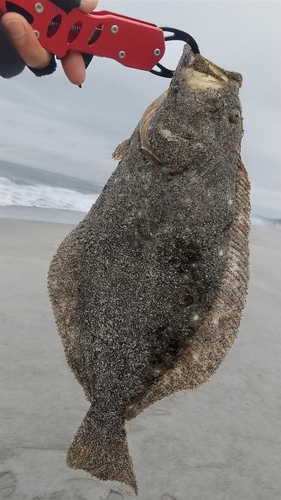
[{"x": 234, "y": 115}]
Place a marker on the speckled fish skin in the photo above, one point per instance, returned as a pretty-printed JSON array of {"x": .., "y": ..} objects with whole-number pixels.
[{"x": 148, "y": 290}]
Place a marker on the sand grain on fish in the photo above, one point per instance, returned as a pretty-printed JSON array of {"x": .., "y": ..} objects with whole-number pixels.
[{"x": 148, "y": 290}]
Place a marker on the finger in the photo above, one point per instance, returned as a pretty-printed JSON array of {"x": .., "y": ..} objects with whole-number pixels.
[
  {"x": 25, "y": 41},
  {"x": 88, "y": 5},
  {"x": 73, "y": 63},
  {"x": 74, "y": 67}
]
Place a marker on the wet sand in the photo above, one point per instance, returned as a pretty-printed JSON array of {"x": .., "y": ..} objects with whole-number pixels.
[{"x": 219, "y": 442}]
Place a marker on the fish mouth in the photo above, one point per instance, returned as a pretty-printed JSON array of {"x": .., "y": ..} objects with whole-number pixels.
[
  {"x": 202, "y": 75},
  {"x": 206, "y": 77}
]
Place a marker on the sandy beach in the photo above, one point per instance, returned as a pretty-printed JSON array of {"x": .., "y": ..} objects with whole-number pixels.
[{"x": 221, "y": 442}]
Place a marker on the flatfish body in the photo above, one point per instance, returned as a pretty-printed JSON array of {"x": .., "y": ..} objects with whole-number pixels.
[{"x": 148, "y": 290}]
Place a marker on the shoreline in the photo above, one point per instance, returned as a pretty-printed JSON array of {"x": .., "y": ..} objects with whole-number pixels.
[
  {"x": 60, "y": 216},
  {"x": 66, "y": 216}
]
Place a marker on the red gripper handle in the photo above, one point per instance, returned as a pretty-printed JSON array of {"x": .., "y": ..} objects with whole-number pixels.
[{"x": 131, "y": 42}]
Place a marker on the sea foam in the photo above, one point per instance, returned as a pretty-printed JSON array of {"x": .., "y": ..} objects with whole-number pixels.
[{"x": 39, "y": 195}]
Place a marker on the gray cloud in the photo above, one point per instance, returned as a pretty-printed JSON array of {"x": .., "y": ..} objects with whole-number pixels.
[{"x": 50, "y": 124}]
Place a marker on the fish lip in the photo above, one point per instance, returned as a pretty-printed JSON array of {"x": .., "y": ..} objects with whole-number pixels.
[{"x": 187, "y": 59}]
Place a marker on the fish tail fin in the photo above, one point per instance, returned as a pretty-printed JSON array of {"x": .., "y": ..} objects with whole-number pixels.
[{"x": 104, "y": 460}]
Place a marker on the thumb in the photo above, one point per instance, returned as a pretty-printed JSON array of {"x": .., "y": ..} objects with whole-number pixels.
[{"x": 88, "y": 5}]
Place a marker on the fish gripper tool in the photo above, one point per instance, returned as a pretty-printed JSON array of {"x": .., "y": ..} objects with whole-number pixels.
[{"x": 132, "y": 42}]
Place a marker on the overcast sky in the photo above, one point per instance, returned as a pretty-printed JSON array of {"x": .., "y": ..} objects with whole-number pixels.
[{"x": 48, "y": 123}]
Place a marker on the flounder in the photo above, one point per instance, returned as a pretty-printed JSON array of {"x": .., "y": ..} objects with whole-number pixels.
[{"x": 148, "y": 290}]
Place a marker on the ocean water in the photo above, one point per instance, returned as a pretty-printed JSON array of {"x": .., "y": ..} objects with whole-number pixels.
[{"x": 31, "y": 187}]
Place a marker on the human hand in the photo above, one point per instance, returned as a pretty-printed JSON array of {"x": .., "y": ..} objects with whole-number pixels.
[{"x": 34, "y": 55}]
